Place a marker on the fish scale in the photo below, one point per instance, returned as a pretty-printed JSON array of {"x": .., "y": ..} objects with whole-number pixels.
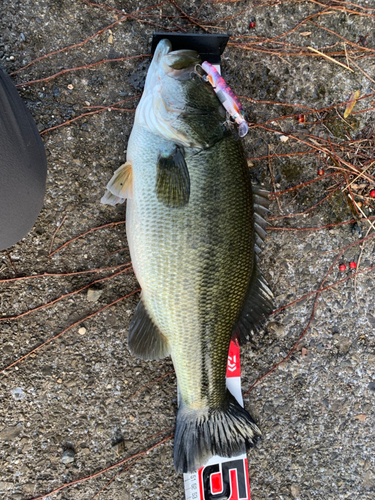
[
  {"x": 195, "y": 293},
  {"x": 190, "y": 228}
]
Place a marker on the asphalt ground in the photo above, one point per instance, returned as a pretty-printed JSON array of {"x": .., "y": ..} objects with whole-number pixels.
[{"x": 82, "y": 403}]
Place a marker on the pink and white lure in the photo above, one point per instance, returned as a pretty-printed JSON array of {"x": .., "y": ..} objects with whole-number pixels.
[{"x": 227, "y": 97}]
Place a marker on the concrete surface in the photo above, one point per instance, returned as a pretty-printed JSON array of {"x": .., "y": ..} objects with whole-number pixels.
[{"x": 65, "y": 409}]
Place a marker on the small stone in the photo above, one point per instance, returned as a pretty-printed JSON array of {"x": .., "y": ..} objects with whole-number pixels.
[
  {"x": 284, "y": 138},
  {"x": 5, "y": 485},
  {"x": 82, "y": 330},
  {"x": 10, "y": 433},
  {"x": 70, "y": 86},
  {"x": 277, "y": 328},
  {"x": 119, "y": 448},
  {"x": 18, "y": 393},
  {"x": 110, "y": 39},
  {"x": 368, "y": 479},
  {"x": 361, "y": 417},
  {"x": 59, "y": 381},
  {"x": 304, "y": 351},
  {"x": 29, "y": 488},
  {"x": 68, "y": 456},
  {"x": 93, "y": 294},
  {"x": 371, "y": 386},
  {"x": 344, "y": 345},
  {"x": 295, "y": 491}
]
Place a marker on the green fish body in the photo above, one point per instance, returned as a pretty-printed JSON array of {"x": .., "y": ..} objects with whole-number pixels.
[{"x": 190, "y": 226}]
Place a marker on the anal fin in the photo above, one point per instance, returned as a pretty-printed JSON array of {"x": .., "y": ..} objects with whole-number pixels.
[
  {"x": 120, "y": 186},
  {"x": 145, "y": 339},
  {"x": 257, "y": 305}
]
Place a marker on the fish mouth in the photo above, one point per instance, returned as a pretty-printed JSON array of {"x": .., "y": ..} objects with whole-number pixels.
[
  {"x": 176, "y": 64},
  {"x": 179, "y": 64}
]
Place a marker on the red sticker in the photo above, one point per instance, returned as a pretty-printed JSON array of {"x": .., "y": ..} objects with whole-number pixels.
[
  {"x": 233, "y": 366},
  {"x": 216, "y": 483}
]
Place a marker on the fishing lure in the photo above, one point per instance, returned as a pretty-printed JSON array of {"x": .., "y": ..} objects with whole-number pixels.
[{"x": 227, "y": 97}]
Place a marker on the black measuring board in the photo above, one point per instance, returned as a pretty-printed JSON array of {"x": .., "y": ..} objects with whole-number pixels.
[{"x": 209, "y": 46}]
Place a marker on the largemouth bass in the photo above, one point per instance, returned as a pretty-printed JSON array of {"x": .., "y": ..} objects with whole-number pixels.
[{"x": 190, "y": 225}]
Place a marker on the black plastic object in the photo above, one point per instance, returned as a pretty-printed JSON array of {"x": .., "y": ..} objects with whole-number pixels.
[
  {"x": 210, "y": 47},
  {"x": 23, "y": 166}
]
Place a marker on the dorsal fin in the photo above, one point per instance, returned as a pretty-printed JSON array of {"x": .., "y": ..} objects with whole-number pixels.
[
  {"x": 257, "y": 305},
  {"x": 258, "y": 301},
  {"x": 120, "y": 186},
  {"x": 261, "y": 203}
]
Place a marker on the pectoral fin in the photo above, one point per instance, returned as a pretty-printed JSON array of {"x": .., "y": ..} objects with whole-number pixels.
[
  {"x": 172, "y": 179},
  {"x": 120, "y": 186}
]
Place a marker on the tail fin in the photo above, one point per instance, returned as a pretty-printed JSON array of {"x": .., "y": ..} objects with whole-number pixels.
[{"x": 226, "y": 431}]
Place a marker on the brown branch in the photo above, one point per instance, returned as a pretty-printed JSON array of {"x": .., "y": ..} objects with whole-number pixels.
[
  {"x": 353, "y": 44},
  {"x": 317, "y": 294},
  {"x": 64, "y": 296},
  {"x": 151, "y": 383},
  {"x": 308, "y": 209},
  {"x": 103, "y": 108},
  {"x": 352, "y": 167},
  {"x": 313, "y": 110},
  {"x": 85, "y": 234},
  {"x": 76, "y": 273},
  {"x": 315, "y": 228},
  {"x": 281, "y": 155},
  {"x": 92, "y": 476},
  {"x": 67, "y": 329},
  {"x": 75, "y": 45},
  {"x": 189, "y": 18},
  {"x": 278, "y": 193},
  {"x": 54, "y": 234},
  {"x": 11, "y": 262},
  {"x": 69, "y": 70}
]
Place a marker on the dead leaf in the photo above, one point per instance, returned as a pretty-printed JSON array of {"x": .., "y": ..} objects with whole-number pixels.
[
  {"x": 306, "y": 33},
  {"x": 361, "y": 417},
  {"x": 110, "y": 39},
  {"x": 352, "y": 102}
]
